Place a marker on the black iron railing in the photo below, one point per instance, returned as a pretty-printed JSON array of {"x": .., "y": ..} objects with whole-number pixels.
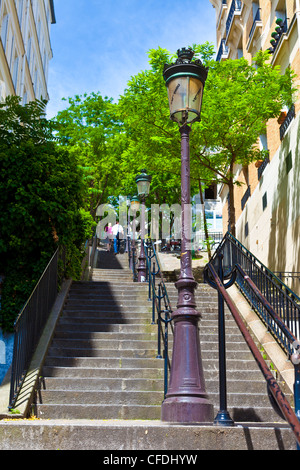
[
  {"x": 289, "y": 117},
  {"x": 257, "y": 19},
  {"x": 161, "y": 306},
  {"x": 236, "y": 5},
  {"x": 30, "y": 324},
  {"x": 262, "y": 167},
  {"x": 246, "y": 197},
  {"x": 223, "y": 50},
  {"x": 214, "y": 275},
  {"x": 283, "y": 300},
  {"x": 132, "y": 258}
]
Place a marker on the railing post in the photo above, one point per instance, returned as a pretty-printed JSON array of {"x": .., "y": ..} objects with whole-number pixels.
[
  {"x": 223, "y": 417},
  {"x": 167, "y": 320},
  {"x": 153, "y": 293},
  {"x": 295, "y": 358},
  {"x": 159, "y": 356}
]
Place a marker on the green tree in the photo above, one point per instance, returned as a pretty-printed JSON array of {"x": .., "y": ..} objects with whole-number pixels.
[
  {"x": 239, "y": 99},
  {"x": 41, "y": 196},
  {"x": 89, "y": 128},
  {"x": 153, "y": 141}
]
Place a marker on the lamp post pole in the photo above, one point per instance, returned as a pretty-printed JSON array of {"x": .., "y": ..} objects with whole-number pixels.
[
  {"x": 186, "y": 399},
  {"x": 143, "y": 186},
  {"x": 142, "y": 258}
]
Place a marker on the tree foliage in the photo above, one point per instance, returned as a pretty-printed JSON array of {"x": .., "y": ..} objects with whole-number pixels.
[
  {"x": 89, "y": 128},
  {"x": 239, "y": 98},
  {"x": 40, "y": 203}
]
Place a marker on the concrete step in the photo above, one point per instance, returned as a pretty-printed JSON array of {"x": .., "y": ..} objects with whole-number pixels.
[
  {"x": 104, "y": 411},
  {"x": 99, "y": 384},
  {"x": 91, "y": 325},
  {"x": 82, "y": 310},
  {"x": 105, "y": 344},
  {"x": 103, "y": 364},
  {"x": 107, "y": 336},
  {"x": 140, "y": 435},
  {"x": 102, "y": 397},
  {"x": 104, "y": 353},
  {"x": 105, "y": 319},
  {"x": 134, "y": 363}
]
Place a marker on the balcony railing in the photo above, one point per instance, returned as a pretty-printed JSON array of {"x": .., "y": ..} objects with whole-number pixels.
[
  {"x": 236, "y": 6},
  {"x": 256, "y": 22},
  {"x": 223, "y": 51},
  {"x": 281, "y": 29},
  {"x": 289, "y": 117},
  {"x": 246, "y": 197},
  {"x": 260, "y": 170}
]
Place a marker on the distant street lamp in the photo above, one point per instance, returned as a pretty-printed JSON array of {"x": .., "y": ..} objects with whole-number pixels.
[
  {"x": 186, "y": 400},
  {"x": 143, "y": 185},
  {"x": 134, "y": 207}
]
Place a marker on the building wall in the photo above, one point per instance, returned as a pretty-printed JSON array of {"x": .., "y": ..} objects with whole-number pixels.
[
  {"x": 268, "y": 224},
  {"x": 25, "y": 48}
]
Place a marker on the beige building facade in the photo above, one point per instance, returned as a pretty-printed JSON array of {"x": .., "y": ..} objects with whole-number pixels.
[
  {"x": 268, "y": 203},
  {"x": 25, "y": 48}
]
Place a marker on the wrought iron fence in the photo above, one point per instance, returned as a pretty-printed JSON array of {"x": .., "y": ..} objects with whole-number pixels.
[
  {"x": 30, "y": 324},
  {"x": 289, "y": 117},
  {"x": 161, "y": 306},
  {"x": 279, "y": 402},
  {"x": 283, "y": 300}
]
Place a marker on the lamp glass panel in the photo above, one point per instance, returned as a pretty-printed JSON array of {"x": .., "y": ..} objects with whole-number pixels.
[
  {"x": 185, "y": 96},
  {"x": 143, "y": 188},
  {"x": 135, "y": 206}
]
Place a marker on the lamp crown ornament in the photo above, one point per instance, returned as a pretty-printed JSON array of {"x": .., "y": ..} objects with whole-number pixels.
[{"x": 185, "y": 54}]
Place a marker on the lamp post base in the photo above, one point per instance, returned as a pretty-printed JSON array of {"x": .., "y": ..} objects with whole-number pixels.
[
  {"x": 186, "y": 400},
  {"x": 189, "y": 410}
]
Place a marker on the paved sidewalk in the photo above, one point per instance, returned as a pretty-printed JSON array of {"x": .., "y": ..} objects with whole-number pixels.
[{"x": 171, "y": 261}]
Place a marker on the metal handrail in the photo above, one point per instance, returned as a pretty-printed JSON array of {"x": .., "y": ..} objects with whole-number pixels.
[
  {"x": 157, "y": 310},
  {"x": 284, "y": 301},
  {"x": 30, "y": 323},
  {"x": 276, "y": 392},
  {"x": 132, "y": 258}
]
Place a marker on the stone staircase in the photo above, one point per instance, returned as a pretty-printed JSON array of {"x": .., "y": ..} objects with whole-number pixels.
[
  {"x": 101, "y": 377},
  {"x": 102, "y": 362},
  {"x": 246, "y": 387}
]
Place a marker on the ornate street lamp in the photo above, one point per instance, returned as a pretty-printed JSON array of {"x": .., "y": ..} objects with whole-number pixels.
[
  {"x": 186, "y": 400},
  {"x": 134, "y": 207},
  {"x": 143, "y": 184}
]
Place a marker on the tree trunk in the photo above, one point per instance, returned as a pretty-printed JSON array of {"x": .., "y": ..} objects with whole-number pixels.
[
  {"x": 231, "y": 208},
  {"x": 204, "y": 220}
]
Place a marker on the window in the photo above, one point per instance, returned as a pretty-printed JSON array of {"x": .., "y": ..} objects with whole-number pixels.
[
  {"x": 289, "y": 162},
  {"x": 28, "y": 52},
  {"x": 264, "y": 201},
  {"x": 20, "y": 11},
  {"x": 15, "y": 72},
  {"x": 211, "y": 192},
  {"x": 25, "y": 98},
  {"x": 4, "y": 31}
]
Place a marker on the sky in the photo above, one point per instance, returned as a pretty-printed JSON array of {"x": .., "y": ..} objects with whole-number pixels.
[{"x": 98, "y": 45}]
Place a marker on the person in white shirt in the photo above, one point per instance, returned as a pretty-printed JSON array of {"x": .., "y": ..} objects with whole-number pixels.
[{"x": 117, "y": 231}]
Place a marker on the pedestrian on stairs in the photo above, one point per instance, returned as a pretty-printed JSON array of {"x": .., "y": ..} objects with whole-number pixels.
[
  {"x": 117, "y": 233},
  {"x": 109, "y": 236}
]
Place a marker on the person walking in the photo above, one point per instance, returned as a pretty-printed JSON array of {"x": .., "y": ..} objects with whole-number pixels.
[
  {"x": 117, "y": 233},
  {"x": 109, "y": 236}
]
